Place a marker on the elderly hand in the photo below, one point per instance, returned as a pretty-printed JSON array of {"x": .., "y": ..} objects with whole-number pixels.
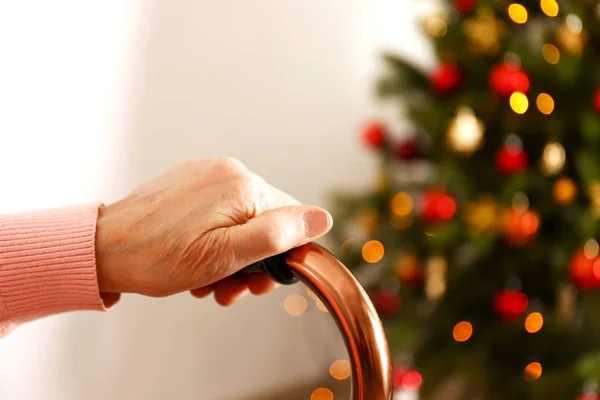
[{"x": 195, "y": 226}]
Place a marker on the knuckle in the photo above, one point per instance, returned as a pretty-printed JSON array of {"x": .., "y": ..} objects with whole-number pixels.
[
  {"x": 274, "y": 242},
  {"x": 231, "y": 164}
]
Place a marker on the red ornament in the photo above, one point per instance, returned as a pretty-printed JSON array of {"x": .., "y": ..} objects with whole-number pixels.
[
  {"x": 585, "y": 272},
  {"x": 406, "y": 378},
  {"x": 464, "y": 6},
  {"x": 446, "y": 78},
  {"x": 520, "y": 226},
  {"x": 407, "y": 150},
  {"x": 510, "y": 304},
  {"x": 437, "y": 206},
  {"x": 597, "y": 101},
  {"x": 507, "y": 78},
  {"x": 373, "y": 135},
  {"x": 386, "y": 302},
  {"x": 511, "y": 159}
]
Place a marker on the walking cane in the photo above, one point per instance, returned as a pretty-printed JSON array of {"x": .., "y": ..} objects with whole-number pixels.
[{"x": 351, "y": 308}]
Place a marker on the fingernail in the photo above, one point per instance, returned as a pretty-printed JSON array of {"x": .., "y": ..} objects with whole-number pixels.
[{"x": 316, "y": 223}]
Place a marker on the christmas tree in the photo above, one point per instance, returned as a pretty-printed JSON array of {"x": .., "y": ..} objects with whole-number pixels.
[{"x": 478, "y": 242}]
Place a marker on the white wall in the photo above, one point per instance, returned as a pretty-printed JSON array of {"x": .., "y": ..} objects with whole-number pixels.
[{"x": 97, "y": 96}]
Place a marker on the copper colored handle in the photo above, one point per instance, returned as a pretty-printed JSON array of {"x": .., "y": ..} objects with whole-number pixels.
[{"x": 355, "y": 316}]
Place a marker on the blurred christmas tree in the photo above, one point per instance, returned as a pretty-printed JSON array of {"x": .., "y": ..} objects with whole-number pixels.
[{"x": 477, "y": 242}]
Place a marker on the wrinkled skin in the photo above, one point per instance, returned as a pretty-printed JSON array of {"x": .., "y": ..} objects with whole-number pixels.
[{"x": 196, "y": 225}]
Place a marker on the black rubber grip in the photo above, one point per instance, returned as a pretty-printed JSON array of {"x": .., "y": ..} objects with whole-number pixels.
[{"x": 275, "y": 267}]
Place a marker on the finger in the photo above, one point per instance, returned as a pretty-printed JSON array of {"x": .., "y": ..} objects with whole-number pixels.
[
  {"x": 228, "y": 291},
  {"x": 261, "y": 284},
  {"x": 276, "y": 231},
  {"x": 203, "y": 291}
]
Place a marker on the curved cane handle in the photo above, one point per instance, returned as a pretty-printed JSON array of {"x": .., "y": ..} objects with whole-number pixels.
[{"x": 354, "y": 314}]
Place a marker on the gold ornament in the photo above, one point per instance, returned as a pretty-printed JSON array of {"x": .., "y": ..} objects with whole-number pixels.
[
  {"x": 571, "y": 36},
  {"x": 483, "y": 215},
  {"x": 566, "y": 302},
  {"x": 465, "y": 133},
  {"x": 564, "y": 190},
  {"x": 594, "y": 195},
  {"x": 485, "y": 32},
  {"x": 435, "y": 277},
  {"x": 435, "y": 25},
  {"x": 553, "y": 158},
  {"x": 368, "y": 221}
]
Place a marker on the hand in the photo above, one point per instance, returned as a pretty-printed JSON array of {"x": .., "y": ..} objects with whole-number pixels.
[{"x": 195, "y": 226}]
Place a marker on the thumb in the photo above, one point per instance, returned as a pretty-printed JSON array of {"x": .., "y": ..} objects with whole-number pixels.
[{"x": 277, "y": 231}]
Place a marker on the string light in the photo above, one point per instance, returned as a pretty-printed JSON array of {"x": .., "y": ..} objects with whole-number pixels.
[
  {"x": 462, "y": 331},
  {"x": 372, "y": 251},
  {"x": 340, "y": 370},
  {"x": 533, "y": 371},
  {"x": 534, "y": 322},
  {"x": 591, "y": 249},
  {"x": 549, "y": 7},
  {"x": 574, "y": 23},
  {"x": 519, "y": 102},
  {"x": 564, "y": 190},
  {"x": 551, "y": 53},
  {"x": 517, "y": 13},
  {"x": 402, "y": 205},
  {"x": 321, "y": 394},
  {"x": 465, "y": 132},
  {"x": 295, "y": 305},
  {"x": 553, "y": 158},
  {"x": 545, "y": 103}
]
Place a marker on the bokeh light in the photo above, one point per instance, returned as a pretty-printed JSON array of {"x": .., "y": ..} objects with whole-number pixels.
[
  {"x": 545, "y": 103},
  {"x": 591, "y": 249},
  {"x": 462, "y": 331},
  {"x": 321, "y": 394},
  {"x": 295, "y": 304},
  {"x": 553, "y": 158},
  {"x": 310, "y": 294},
  {"x": 517, "y": 13},
  {"x": 529, "y": 223},
  {"x": 321, "y": 306},
  {"x": 534, "y": 322},
  {"x": 402, "y": 223},
  {"x": 411, "y": 380},
  {"x": 436, "y": 25},
  {"x": 551, "y": 54},
  {"x": 402, "y": 205},
  {"x": 574, "y": 23},
  {"x": 372, "y": 251},
  {"x": 346, "y": 244},
  {"x": 533, "y": 371},
  {"x": 549, "y": 7},
  {"x": 564, "y": 190},
  {"x": 340, "y": 370},
  {"x": 519, "y": 102},
  {"x": 520, "y": 201}
]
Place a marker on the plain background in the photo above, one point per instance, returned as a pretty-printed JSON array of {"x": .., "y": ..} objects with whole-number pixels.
[{"x": 96, "y": 97}]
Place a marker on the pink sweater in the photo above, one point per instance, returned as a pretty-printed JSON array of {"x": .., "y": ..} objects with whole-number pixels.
[{"x": 48, "y": 265}]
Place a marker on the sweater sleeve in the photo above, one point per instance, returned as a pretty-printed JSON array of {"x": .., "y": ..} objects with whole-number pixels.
[{"x": 48, "y": 265}]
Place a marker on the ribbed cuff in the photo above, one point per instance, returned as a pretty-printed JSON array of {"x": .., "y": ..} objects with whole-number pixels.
[{"x": 48, "y": 264}]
